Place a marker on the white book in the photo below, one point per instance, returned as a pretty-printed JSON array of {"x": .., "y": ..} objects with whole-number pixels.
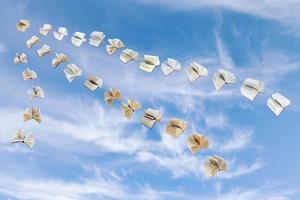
[
  {"x": 169, "y": 66},
  {"x": 149, "y": 63},
  {"x": 129, "y": 107},
  {"x": 277, "y": 103},
  {"x": 78, "y": 38},
  {"x": 44, "y": 50},
  {"x": 28, "y": 74},
  {"x": 60, "y": 57},
  {"x": 176, "y": 127},
  {"x": 23, "y": 25},
  {"x": 128, "y": 55},
  {"x": 213, "y": 165},
  {"x": 222, "y": 77},
  {"x": 96, "y": 38},
  {"x": 36, "y": 92},
  {"x": 251, "y": 88},
  {"x": 20, "y": 58},
  {"x": 72, "y": 71},
  {"x": 61, "y": 33},
  {"x": 197, "y": 142},
  {"x": 33, "y": 113},
  {"x": 113, "y": 45},
  {"x": 33, "y": 40},
  {"x": 45, "y": 29},
  {"x": 195, "y": 71},
  {"x": 21, "y": 137},
  {"x": 93, "y": 82},
  {"x": 150, "y": 117},
  {"x": 111, "y": 95}
]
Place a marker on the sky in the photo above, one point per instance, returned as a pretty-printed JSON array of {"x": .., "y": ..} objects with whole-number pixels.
[{"x": 86, "y": 150}]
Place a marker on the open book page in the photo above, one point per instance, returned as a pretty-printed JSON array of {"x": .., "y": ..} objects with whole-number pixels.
[
  {"x": 196, "y": 142},
  {"x": 111, "y": 95},
  {"x": 61, "y": 33},
  {"x": 170, "y": 65},
  {"x": 20, "y": 58},
  {"x": 129, "y": 107},
  {"x": 23, "y": 25},
  {"x": 176, "y": 127},
  {"x": 195, "y": 71},
  {"x": 78, "y": 38},
  {"x": 32, "y": 113},
  {"x": 36, "y": 92},
  {"x": 45, "y": 29},
  {"x": 59, "y": 59},
  {"x": 150, "y": 117},
  {"x": 113, "y": 45},
  {"x": 28, "y": 74},
  {"x": 222, "y": 77},
  {"x": 44, "y": 50},
  {"x": 21, "y": 137},
  {"x": 33, "y": 40},
  {"x": 213, "y": 165},
  {"x": 128, "y": 55},
  {"x": 251, "y": 88},
  {"x": 72, "y": 71},
  {"x": 277, "y": 103},
  {"x": 96, "y": 38},
  {"x": 149, "y": 63},
  {"x": 93, "y": 82}
]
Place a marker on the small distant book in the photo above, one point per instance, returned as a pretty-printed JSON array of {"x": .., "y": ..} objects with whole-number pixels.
[
  {"x": 61, "y": 33},
  {"x": 222, "y": 77},
  {"x": 23, "y": 25},
  {"x": 96, "y": 38},
  {"x": 129, "y": 107},
  {"x": 32, "y": 113},
  {"x": 32, "y": 41},
  {"x": 196, "y": 142},
  {"x": 72, "y": 71},
  {"x": 111, "y": 95},
  {"x": 36, "y": 92},
  {"x": 20, "y": 137},
  {"x": 22, "y": 58},
  {"x": 213, "y": 165},
  {"x": 150, "y": 117},
  {"x": 195, "y": 71},
  {"x": 113, "y": 45},
  {"x": 44, "y": 50},
  {"x": 28, "y": 74},
  {"x": 169, "y": 66},
  {"x": 251, "y": 88},
  {"x": 60, "y": 57},
  {"x": 176, "y": 127},
  {"x": 277, "y": 103},
  {"x": 78, "y": 38},
  {"x": 149, "y": 63},
  {"x": 45, "y": 29},
  {"x": 128, "y": 55},
  {"x": 93, "y": 82}
]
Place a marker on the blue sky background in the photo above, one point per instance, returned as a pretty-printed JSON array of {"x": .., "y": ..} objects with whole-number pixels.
[{"x": 87, "y": 150}]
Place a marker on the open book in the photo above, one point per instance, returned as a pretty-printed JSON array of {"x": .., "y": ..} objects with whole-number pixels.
[
  {"x": 59, "y": 59},
  {"x": 78, "y": 38},
  {"x": 278, "y": 103},
  {"x": 36, "y": 92},
  {"x": 169, "y": 66},
  {"x": 222, "y": 77},
  {"x": 45, "y": 29},
  {"x": 61, "y": 33},
  {"x": 129, "y": 107},
  {"x": 23, "y": 25},
  {"x": 28, "y": 74},
  {"x": 176, "y": 127},
  {"x": 20, "y": 137},
  {"x": 195, "y": 71},
  {"x": 111, "y": 95},
  {"x": 44, "y": 50},
  {"x": 196, "y": 142},
  {"x": 72, "y": 71},
  {"x": 128, "y": 55},
  {"x": 114, "y": 44},
  {"x": 96, "y": 38},
  {"x": 20, "y": 58},
  {"x": 93, "y": 83},
  {"x": 150, "y": 117},
  {"x": 213, "y": 165},
  {"x": 33, "y": 40},
  {"x": 32, "y": 113},
  {"x": 149, "y": 63},
  {"x": 251, "y": 88}
]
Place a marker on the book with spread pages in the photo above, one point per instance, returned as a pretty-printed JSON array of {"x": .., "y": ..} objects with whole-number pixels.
[
  {"x": 222, "y": 77},
  {"x": 78, "y": 38},
  {"x": 45, "y": 29},
  {"x": 150, "y": 117},
  {"x": 36, "y": 92},
  {"x": 28, "y": 74},
  {"x": 60, "y": 57},
  {"x": 96, "y": 38},
  {"x": 128, "y": 55},
  {"x": 213, "y": 165},
  {"x": 61, "y": 33},
  {"x": 176, "y": 127},
  {"x": 21, "y": 137},
  {"x": 251, "y": 88},
  {"x": 32, "y": 41},
  {"x": 149, "y": 63},
  {"x": 196, "y": 142},
  {"x": 169, "y": 66},
  {"x": 195, "y": 71},
  {"x": 111, "y": 95},
  {"x": 44, "y": 50},
  {"x": 22, "y": 58},
  {"x": 23, "y": 25},
  {"x": 113, "y": 45},
  {"x": 93, "y": 82},
  {"x": 277, "y": 103},
  {"x": 129, "y": 107},
  {"x": 71, "y": 72},
  {"x": 32, "y": 113}
]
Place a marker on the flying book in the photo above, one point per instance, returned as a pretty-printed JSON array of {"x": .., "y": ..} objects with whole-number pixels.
[
  {"x": 251, "y": 88},
  {"x": 169, "y": 66},
  {"x": 32, "y": 113},
  {"x": 128, "y": 55},
  {"x": 45, "y": 29},
  {"x": 129, "y": 107},
  {"x": 213, "y": 165},
  {"x": 195, "y": 71},
  {"x": 150, "y": 117},
  {"x": 111, "y": 95},
  {"x": 59, "y": 59},
  {"x": 277, "y": 103},
  {"x": 96, "y": 38},
  {"x": 23, "y": 25},
  {"x": 176, "y": 127},
  {"x": 78, "y": 38},
  {"x": 20, "y": 58},
  {"x": 44, "y": 50},
  {"x": 72, "y": 71},
  {"x": 61, "y": 33},
  {"x": 222, "y": 77},
  {"x": 149, "y": 63},
  {"x": 93, "y": 83},
  {"x": 36, "y": 92},
  {"x": 33, "y": 40},
  {"x": 114, "y": 44},
  {"x": 20, "y": 137},
  {"x": 196, "y": 142},
  {"x": 28, "y": 74}
]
